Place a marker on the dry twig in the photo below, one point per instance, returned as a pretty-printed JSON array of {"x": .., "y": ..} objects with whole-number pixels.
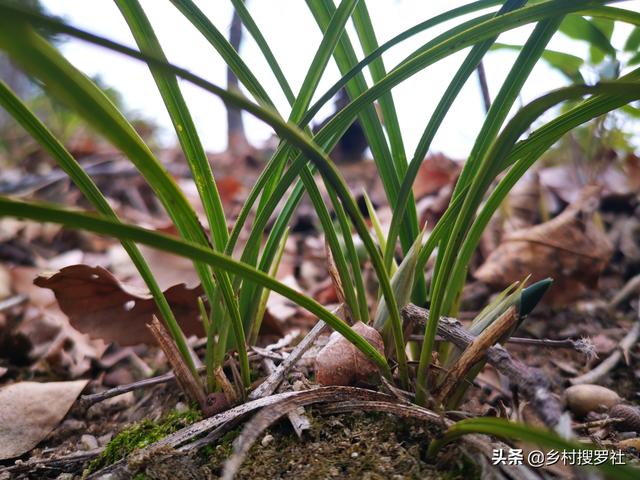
[
  {"x": 531, "y": 382},
  {"x": 630, "y": 288},
  {"x": 185, "y": 378},
  {"x": 297, "y": 418},
  {"x": 476, "y": 350},
  {"x": 37, "y": 468},
  {"x": 273, "y": 380}
]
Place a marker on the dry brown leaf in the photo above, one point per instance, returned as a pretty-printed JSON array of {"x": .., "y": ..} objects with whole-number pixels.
[
  {"x": 22, "y": 283},
  {"x": 98, "y": 304},
  {"x": 54, "y": 345},
  {"x": 520, "y": 210},
  {"x": 30, "y": 410},
  {"x": 616, "y": 177},
  {"x": 341, "y": 363},
  {"x": 335, "y": 280},
  {"x": 326, "y": 293},
  {"x": 436, "y": 172},
  {"x": 570, "y": 248},
  {"x": 523, "y": 202},
  {"x": 42, "y": 335}
]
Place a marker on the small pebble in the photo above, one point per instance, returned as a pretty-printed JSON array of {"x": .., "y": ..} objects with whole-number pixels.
[
  {"x": 72, "y": 425},
  {"x": 104, "y": 439},
  {"x": 88, "y": 442},
  {"x": 585, "y": 398},
  {"x": 119, "y": 402},
  {"x": 266, "y": 440}
]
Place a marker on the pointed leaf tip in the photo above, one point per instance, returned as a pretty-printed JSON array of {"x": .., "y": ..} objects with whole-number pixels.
[{"x": 532, "y": 295}]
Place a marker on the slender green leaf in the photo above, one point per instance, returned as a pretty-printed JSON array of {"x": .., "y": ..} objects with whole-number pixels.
[
  {"x": 445, "y": 287},
  {"x": 580, "y": 28},
  {"x": 345, "y": 58},
  {"x": 255, "y": 32},
  {"x": 32, "y": 124},
  {"x": 198, "y": 162},
  {"x": 369, "y": 42},
  {"x": 469, "y": 65},
  {"x": 567, "y": 64},
  {"x": 262, "y": 307},
  {"x": 633, "y": 40},
  {"x": 526, "y": 433},
  {"x": 231, "y": 58},
  {"x": 606, "y": 26},
  {"x": 187, "y": 249}
]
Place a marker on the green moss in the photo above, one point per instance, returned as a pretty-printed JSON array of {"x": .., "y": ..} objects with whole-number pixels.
[
  {"x": 223, "y": 449},
  {"x": 143, "y": 434}
]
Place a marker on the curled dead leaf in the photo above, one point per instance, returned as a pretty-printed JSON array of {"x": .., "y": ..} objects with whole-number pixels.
[
  {"x": 341, "y": 363},
  {"x": 436, "y": 172},
  {"x": 29, "y": 411},
  {"x": 523, "y": 202},
  {"x": 98, "y": 304},
  {"x": 42, "y": 336},
  {"x": 571, "y": 248}
]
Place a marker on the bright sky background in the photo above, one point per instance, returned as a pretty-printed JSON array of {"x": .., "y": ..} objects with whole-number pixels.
[{"x": 294, "y": 37}]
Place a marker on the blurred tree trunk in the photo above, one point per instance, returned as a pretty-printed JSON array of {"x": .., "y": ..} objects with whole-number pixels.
[
  {"x": 484, "y": 86},
  {"x": 236, "y": 138}
]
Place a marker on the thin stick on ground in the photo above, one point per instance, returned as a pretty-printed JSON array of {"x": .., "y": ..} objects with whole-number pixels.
[
  {"x": 630, "y": 288},
  {"x": 582, "y": 345},
  {"x": 35, "y": 468},
  {"x": 298, "y": 418},
  {"x": 88, "y": 400},
  {"x": 275, "y": 378}
]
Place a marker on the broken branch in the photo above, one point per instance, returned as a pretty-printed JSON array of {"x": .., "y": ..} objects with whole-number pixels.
[{"x": 531, "y": 382}]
